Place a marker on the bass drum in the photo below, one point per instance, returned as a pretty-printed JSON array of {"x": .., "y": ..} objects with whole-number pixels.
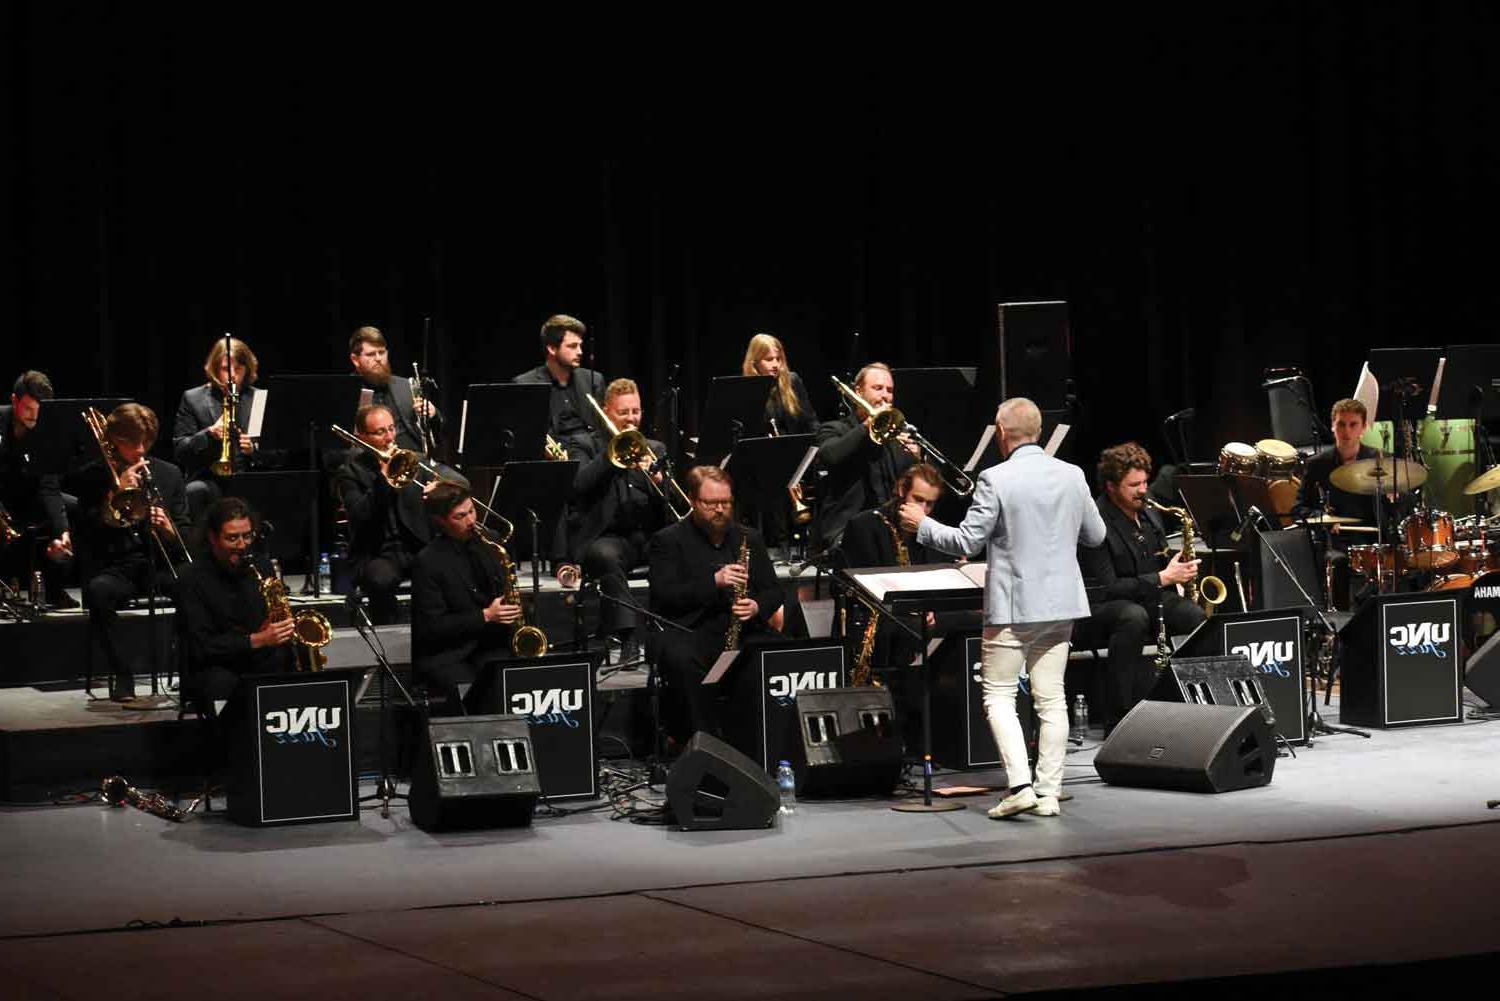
[
  {"x": 1448, "y": 447},
  {"x": 1237, "y": 459}
]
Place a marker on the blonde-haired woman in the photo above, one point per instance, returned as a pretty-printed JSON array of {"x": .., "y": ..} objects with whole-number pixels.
[{"x": 788, "y": 410}]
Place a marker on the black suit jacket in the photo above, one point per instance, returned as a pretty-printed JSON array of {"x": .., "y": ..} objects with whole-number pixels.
[
  {"x": 193, "y": 448},
  {"x": 107, "y": 544},
  {"x": 561, "y": 426},
  {"x": 1123, "y": 566},
  {"x": 398, "y": 397},
  {"x": 683, "y": 563},
  {"x": 451, "y": 584},
  {"x": 867, "y": 543},
  {"x": 216, "y": 612},
  {"x": 29, "y": 497},
  {"x": 368, "y": 499},
  {"x": 861, "y": 474},
  {"x": 598, "y": 491}
]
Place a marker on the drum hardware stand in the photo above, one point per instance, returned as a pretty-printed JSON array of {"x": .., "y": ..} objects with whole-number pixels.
[
  {"x": 1324, "y": 636},
  {"x": 385, "y": 787}
]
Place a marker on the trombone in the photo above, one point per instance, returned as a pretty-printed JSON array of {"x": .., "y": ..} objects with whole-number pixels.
[
  {"x": 131, "y": 505},
  {"x": 629, "y": 449},
  {"x": 403, "y": 466},
  {"x": 890, "y": 422}
]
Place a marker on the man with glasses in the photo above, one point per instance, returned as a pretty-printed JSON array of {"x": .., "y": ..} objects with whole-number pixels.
[{"x": 699, "y": 582}]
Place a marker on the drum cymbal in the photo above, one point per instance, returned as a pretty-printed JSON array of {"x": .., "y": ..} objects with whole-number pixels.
[
  {"x": 1372, "y": 476},
  {"x": 1329, "y": 519},
  {"x": 1483, "y": 483}
]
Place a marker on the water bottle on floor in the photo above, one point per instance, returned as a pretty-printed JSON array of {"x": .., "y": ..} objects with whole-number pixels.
[
  {"x": 1080, "y": 730},
  {"x": 787, "y": 782}
]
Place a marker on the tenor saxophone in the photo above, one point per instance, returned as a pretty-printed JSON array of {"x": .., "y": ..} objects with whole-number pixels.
[{"x": 1206, "y": 592}]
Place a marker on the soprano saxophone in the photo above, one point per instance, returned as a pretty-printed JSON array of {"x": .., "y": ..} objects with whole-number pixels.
[{"x": 732, "y": 634}]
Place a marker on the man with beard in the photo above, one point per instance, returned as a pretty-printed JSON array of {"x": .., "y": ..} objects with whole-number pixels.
[
  {"x": 861, "y": 474},
  {"x": 198, "y": 432},
  {"x": 32, "y": 501},
  {"x": 1131, "y": 584},
  {"x": 695, "y": 572},
  {"x": 221, "y": 613},
  {"x": 371, "y": 360},
  {"x": 387, "y": 525},
  {"x": 571, "y": 420}
]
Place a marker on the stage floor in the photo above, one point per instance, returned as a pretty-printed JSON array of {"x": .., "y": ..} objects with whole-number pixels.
[{"x": 1360, "y": 851}]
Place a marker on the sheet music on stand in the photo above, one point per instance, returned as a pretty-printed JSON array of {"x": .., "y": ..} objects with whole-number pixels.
[{"x": 881, "y": 584}]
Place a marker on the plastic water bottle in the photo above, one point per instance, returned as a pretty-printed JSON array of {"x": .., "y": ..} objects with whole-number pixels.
[
  {"x": 325, "y": 573},
  {"x": 1080, "y": 730},
  {"x": 787, "y": 782}
]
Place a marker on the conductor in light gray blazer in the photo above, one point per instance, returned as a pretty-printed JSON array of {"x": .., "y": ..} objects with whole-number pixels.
[{"x": 1032, "y": 511}]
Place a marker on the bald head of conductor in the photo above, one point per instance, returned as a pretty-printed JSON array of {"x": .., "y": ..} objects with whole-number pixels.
[{"x": 1017, "y": 422}]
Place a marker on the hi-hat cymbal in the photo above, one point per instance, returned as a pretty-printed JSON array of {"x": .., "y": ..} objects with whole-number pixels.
[
  {"x": 1372, "y": 476},
  {"x": 1484, "y": 482},
  {"x": 1329, "y": 519}
]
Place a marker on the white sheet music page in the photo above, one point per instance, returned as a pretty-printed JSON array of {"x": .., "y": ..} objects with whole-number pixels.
[
  {"x": 984, "y": 442},
  {"x": 1055, "y": 442},
  {"x": 812, "y": 453},
  {"x": 463, "y": 425},
  {"x": 879, "y": 585},
  {"x": 1367, "y": 390},
  {"x": 257, "y": 412}
]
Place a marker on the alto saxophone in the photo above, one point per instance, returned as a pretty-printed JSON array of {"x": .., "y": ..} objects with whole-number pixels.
[
  {"x": 862, "y": 673},
  {"x": 1206, "y": 592},
  {"x": 527, "y": 640},
  {"x": 732, "y": 634},
  {"x": 311, "y": 631},
  {"x": 116, "y": 791}
]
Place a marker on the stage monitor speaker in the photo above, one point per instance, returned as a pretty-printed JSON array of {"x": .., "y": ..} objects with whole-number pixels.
[
  {"x": 1193, "y": 748},
  {"x": 849, "y": 744},
  {"x": 1227, "y": 680},
  {"x": 1483, "y": 674},
  {"x": 473, "y": 772},
  {"x": 1401, "y": 663},
  {"x": 713, "y": 787},
  {"x": 1035, "y": 355}
]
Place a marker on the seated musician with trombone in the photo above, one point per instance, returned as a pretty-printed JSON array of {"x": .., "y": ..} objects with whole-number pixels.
[
  {"x": 713, "y": 576},
  {"x": 418, "y": 422},
  {"x": 621, "y": 497},
  {"x": 377, "y": 483},
  {"x": 208, "y": 438},
  {"x": 134, "y": 516},
  {"x": 465, "y": 602},
  {"x": 863, "y": 452},
  {"x": 1132, "y": 585}
]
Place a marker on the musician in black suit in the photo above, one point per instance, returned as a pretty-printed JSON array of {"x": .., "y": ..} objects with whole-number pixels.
[
  {"x": 222, "y": 619},
  {"x": 125, "y": 561},
  {"x": 32, "y": 501},
  {"x": 1131, "y": 584},
  {"x": 615, "y": 513},
  {"x": 369, "y": 355},
  {"x": 198, "y": 434},
  {"x": 459, "y": 617},
  {"x": 387, "y": 525},
  {"x": 571, "y": 421},
  {"x": 695, "y": 570},
  {"x": 861, "y": 474}
]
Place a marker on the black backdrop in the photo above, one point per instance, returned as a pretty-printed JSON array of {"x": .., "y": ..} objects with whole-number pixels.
[{"x": 1216, "y": 193}]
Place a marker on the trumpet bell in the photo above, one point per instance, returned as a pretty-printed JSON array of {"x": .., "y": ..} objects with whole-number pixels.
[{"x": 528, "y": 641}]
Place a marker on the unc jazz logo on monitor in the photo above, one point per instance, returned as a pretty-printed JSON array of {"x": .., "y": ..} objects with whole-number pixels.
[
  {"x": 786, "y": 673},
  {"x": 1419, "y": 654},
  {"x": 557, "y": 698},
  {"x": 305, "y": 757},
  {"x": 1274, "y": 648}
]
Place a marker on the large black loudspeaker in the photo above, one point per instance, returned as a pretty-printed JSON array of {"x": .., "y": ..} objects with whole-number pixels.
[
  {"x": 1401, "y": 662},
  {"x": 1194, "y": 748},
  {"x": 1213, "y": 681},
  {"x": 713, "y": 787},
  {"x": 1035, "y": 352},
  {"x": 848, "y": 743},
  {"x": 1483, "y": 674},
  {"x": 473, "y": 772}
]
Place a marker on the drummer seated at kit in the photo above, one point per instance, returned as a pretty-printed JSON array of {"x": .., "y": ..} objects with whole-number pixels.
[
  {"x": 1130, "y": 581},
  {"x": 460, "y": 618}
]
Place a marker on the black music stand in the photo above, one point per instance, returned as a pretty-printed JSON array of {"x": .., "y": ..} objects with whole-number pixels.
[
  {"x": 1480, "y": 365},
  {"x": 736, "y": 409},
  {"x": 1388, "y": 365},
  {"x": 531, "y": 495},
  {"x": 762, "y": 467},
  {"x": 61, "y": 440},
  {"x": 940, "y": 403},
  {"x": 279, "y": 491},
  {"x": 299, "y": 410},
  {"x": 503, "y": 422}
]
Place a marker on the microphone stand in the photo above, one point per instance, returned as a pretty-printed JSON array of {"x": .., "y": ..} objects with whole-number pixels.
[
  {"x": 1324, "y": 635},
  {"x": 385, "y": 787}
]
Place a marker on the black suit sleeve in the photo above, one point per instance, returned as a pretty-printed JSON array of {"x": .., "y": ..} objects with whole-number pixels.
[
  {"x": 192, "y": 445},
  {"x": 443, "y": 621},
  {"x": 860, "y": 545},
  {"x": 676, "y": 588},
  {"x": 837, "y": 445},
  {"x": 364, "y": 503}
]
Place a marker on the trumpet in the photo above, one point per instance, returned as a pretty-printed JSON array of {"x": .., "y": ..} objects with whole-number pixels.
[
  {"x": 629, "y": 449},
  {"x": 554, "y": 451},
  {"x": 890, "y": 422},
  {"x": 801, "y": 513},
  {"x": 1206, "y": 592}
]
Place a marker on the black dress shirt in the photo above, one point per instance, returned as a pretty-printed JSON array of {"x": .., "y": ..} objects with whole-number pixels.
[
  {"x": 861, "y": 474},
  {"x": 31, "y": 497},
  {"x": 217, "y": 611},
  {"x": 683, "y": 563},
  {"x": 1128, "y": 564},
  {"x": 451, "y": 585},
  {"x": 570, "y": 418}
]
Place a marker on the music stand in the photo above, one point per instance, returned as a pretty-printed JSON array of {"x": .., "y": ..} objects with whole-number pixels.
[
  {"x": 736, "y": 409},
  {"x": 299, "y": 410},
  {"x": 940, "y": 402},
  {"x": 1480, "y": 365},
  {"x": 61, "y": 440},
  {"x": 278, "y": 491},
  {"x": 503, "y": 422},
  {"x": 1391, "y": 364},
  {"x": 532, "y": 495},
  {"x": 762, "y": 467}
]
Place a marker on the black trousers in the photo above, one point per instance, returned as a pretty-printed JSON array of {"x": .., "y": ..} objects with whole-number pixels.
[
  {"x": 380, "y": 578},
  {"x": 1125, "y": 627},
  {"x": 105, "y": 593},
  {"x": 608, "y": 559},
  {"x": 29, "y": 553}
]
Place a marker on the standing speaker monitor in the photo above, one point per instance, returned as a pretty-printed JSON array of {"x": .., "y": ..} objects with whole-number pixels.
[
  {"x": 291, "y": 748},
  {"x": 473, "y": 772},
  {"x": 1401, "y": 662},
  {"x": 961, "y": 735},
  {"x": 1277, "y": 590},
  {"x": 556, "y": 694},
  {"x": 764, "y": 683},
  {"x": 1035, "y": 352},
  {"x": 848, "y": 744},
  {"x": 1273, "y": 642},
  {"x": 1483, "y": 674},
  {"x": 1214, "y": 681},
  {"x": 1193, "y": 748},
  {"x": 713, "y": 787}
]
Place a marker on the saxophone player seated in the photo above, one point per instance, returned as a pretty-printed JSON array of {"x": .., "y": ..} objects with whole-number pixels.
[
  {"x": 461, "y": 617},
  {"x": 224, "y": 627},
  {"x": 1131, "y": 583},
  {"x": 707, "y": 572}
]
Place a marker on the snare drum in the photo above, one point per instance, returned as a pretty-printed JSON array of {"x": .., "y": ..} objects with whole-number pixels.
[
  {"x": 1428, "y": 538},
  {"x": 1475, "y": 556},
  {"x": 1237, "y": 458},
  {"x": 1276, "y": 460},
  {"x": 1373, "y": 560}
]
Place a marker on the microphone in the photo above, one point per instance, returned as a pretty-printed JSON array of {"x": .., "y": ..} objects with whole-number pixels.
[
  {"x": 1182, "y": 415},
  {"x": 1251, "y": 516}
]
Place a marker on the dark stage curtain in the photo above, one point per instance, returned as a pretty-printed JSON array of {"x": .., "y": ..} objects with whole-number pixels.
[{"x": 1213, "y": 193}]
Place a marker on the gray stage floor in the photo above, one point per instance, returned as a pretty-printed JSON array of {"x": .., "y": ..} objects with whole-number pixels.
[{"x": 1378, "y": 850}]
